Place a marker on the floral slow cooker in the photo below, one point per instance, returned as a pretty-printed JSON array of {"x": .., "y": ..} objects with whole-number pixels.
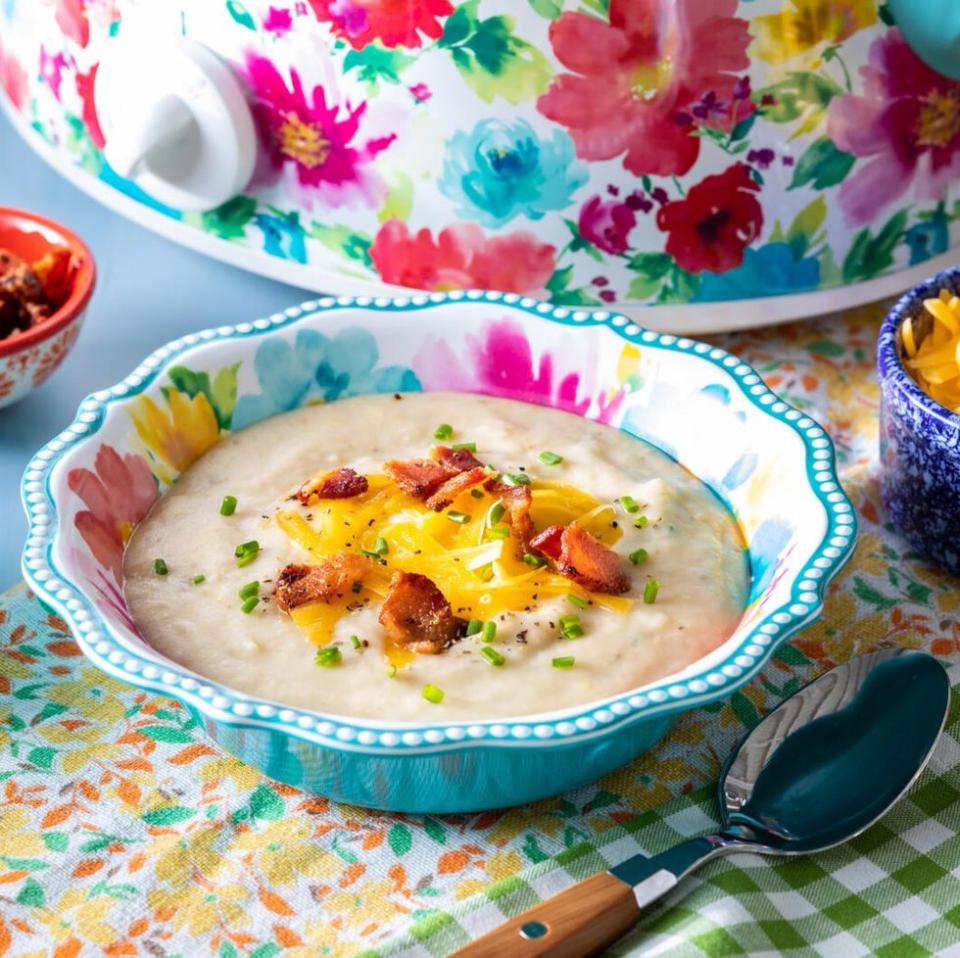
[{"x": 699, "y": 164}]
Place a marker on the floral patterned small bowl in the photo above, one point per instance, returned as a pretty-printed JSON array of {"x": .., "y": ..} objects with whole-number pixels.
[
  {"x": 87, "y": 489},
  {"x": 919, "y": 440},
  {"x": 28, "y": 358}
]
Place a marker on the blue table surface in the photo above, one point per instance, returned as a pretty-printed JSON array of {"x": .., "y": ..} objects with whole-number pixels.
[{"x": 149, "y": 291}]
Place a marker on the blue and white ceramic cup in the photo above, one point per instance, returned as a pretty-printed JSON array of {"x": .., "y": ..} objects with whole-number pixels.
[{"x": 919, "y": 440}]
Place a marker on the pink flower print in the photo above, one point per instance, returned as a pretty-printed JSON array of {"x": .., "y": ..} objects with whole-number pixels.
[
  {"x": 118, "y": 492},
  {"x": 278, "y": 21},
  {"x": 500, "y": 362},
  {"x": 321, "y": 140}
]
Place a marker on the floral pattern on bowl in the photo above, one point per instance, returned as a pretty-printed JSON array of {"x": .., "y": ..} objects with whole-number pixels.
[
  {"x": 623, "y": 151},
  {"x": 772, "y": 465}
]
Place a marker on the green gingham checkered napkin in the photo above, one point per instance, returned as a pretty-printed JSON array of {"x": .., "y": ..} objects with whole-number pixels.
[{"x": 893, "y": 892}]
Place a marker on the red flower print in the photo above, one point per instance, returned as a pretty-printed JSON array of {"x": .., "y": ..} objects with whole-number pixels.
[
  {"x": 322, "y": 141},
  {"x": 908, "y": 121},
  {"x": 395, "y": 23},
  {"x": 461, "y": 257},
  {"x": 421, "y": 92},
  {"x": 607, "y": 225},
  {"x": 710, "y": 228},
  {"x": 641, "y": 82},
  {"x": 118, "y": 493},
  {"x": 85, "y": 83},
  {"x": 72, "y": 20},
  {"x": 13, "y": 79}
]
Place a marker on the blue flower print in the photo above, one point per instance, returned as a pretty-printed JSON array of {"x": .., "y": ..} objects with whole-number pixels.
[
  {"x": 282, "y": 235},
  {"x": 502, "y": 169},
  {"x": 928, "y": 238},
  {"x": 770, "y": 270},
  {"x": 315, "y": 366}
]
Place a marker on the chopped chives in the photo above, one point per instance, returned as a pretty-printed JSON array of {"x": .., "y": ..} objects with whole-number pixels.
[
  {"x": 198, "y": 579},
  {"x": 458, "y": 517},
  {"x": 328, "y": 657},
  {"x": 251, "y": 588},
  {"x": 355, "y": 642},
  {"x": 489, "y": 631},
  {"x": 563, "y": 662},
  {"x": 639, "y": 556},
  {"x": 380, "y": 547},
  {"x": 391, "y": 671},
  {"x": 443, "y": 431},
  {"x": 570, "y": 626},
  {"x": 492, "y": 655},
  {"x": 517, "y": 479},
  {"x": 476, "y": 493},
  {"x": 496, "y": 513},
  {"x": 160, "y": 567},
  {"x": 229, "y": 506},
  {"x": 550, "y": 458},
  {"x": 629, "y": 504},
  {"x": 246, "y": 552},
  {"x": 474, "y": 626},
  {"x": 499, "y": 532},
  {"x": 249, "y": 604},
  {"x": 577, "y": 600},
  {"x": 650, "y": 591},
  {"x": 485, "y": 572},
  {"x": 432, "y": 694},
  {"x": 641, "y": 522},
  {"x": 468, "y": 446},
  {"x": 536, "y": 561}
]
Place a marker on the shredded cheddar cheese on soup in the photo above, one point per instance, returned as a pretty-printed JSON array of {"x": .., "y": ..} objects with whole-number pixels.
[{"x": 480, "y": 572}]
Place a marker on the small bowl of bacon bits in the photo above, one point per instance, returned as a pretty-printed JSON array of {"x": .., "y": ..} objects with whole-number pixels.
[
  {"x": 46, "y": 280},
  {"x": 918, "y": 359}
]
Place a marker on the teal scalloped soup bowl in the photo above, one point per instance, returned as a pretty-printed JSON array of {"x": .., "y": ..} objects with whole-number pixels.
[{"x": 771, "y": 465}]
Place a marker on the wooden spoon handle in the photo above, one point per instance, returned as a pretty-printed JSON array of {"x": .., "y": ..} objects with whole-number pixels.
[{"x": 579, "y": 921}]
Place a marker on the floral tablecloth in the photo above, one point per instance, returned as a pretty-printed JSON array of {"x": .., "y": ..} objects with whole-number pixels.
[{"x": 123, "y": 832}]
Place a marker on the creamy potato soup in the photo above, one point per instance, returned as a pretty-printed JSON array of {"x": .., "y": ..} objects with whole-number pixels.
[{"x": 435, "y": 557}]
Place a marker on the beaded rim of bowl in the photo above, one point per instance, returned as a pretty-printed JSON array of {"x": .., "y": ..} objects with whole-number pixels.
[{"x": 225, "y": 706}]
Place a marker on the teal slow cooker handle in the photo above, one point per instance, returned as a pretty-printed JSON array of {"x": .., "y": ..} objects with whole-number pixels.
[{"x": 932, "y": 28}]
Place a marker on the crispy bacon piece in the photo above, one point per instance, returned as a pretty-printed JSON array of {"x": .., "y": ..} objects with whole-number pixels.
[
  {"x": 590, "y": 563},
  {"x": 517, "y": 500},
  {"x": 454, "y": 486},
  {"x": 332, "y": 579},
  {"x": 548, "y": 542},
  {"x": 459, "y": 460},
  {"x": 420, "y": 477},
  {"x": 342, "y": 483},
  {"x": 417, "y": 615}
]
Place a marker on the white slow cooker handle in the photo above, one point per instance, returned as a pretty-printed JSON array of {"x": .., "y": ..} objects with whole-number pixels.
[{"x": 175, "y": 119}]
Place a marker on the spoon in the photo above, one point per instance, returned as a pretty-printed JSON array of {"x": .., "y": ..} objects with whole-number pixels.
[{"x": 818, "y": 770}]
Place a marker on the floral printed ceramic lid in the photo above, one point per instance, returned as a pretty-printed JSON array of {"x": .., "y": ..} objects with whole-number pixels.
[{"x": 726, "y": 163}]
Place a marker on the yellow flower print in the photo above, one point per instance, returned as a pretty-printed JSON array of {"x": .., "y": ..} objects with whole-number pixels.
[
  {"x": 321, "y": 938},
  {"x": 201, "y": 907},
  {"x": 179, "y": 858},
  {"x": 15, "y": 840},
  {"x": 286, "y": 849},
  {"x": 366, "y": 903},
  {"x": 86, "y": 697},
  {"x": 80, "y": 916},
  {"x": 177, "y": 436},
  {"x": 244, "y": 777},
  {"x": 803, "y": 24}
]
